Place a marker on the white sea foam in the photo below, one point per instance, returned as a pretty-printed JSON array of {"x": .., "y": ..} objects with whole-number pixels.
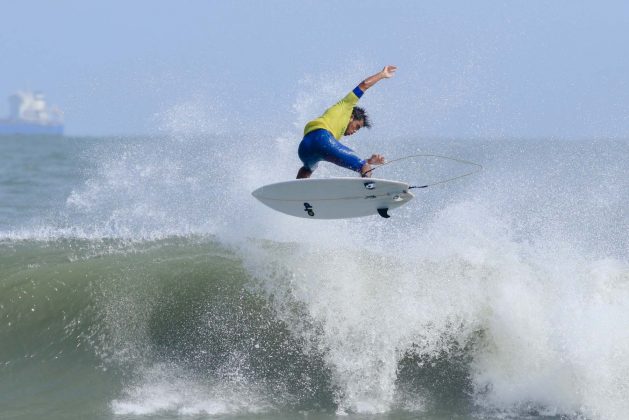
[
  {"x": 551, "y": 319},
  {"x": 164, "y": 390}
]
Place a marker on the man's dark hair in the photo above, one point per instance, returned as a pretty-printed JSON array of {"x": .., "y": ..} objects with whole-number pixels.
[{"x": 359, "y": 114}]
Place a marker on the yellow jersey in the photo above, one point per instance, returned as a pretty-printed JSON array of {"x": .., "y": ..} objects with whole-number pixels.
[{"x": 336, "y": 118}]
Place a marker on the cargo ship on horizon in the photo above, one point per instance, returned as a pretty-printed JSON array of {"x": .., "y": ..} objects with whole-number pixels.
[{"x": 30, "y": 115}]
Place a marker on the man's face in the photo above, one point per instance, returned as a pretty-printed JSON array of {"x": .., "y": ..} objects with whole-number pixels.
[{"x": 353, "y": 126}]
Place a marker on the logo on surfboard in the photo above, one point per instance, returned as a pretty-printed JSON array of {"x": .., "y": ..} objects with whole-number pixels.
[{"x": 308, "y": 209}]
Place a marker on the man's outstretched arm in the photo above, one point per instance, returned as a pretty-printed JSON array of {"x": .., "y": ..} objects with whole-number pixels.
[{"x": 387, "y": 72}]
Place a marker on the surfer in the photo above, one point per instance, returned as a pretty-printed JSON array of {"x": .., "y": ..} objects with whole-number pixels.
[{"x": 321, "y": 136}]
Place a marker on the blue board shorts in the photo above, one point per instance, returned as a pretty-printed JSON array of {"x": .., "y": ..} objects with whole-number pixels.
[{"x": 321, "y": 145}]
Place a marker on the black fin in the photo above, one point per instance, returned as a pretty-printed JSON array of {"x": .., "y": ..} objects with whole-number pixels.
[{"x": 383, "y": 213}]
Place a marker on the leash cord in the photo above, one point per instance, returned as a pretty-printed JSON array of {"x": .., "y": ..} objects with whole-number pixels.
[{"x": 466, "y": 162}]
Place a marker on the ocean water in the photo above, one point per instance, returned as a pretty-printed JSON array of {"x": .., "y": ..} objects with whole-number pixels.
[{"x": 139, "y": 279}]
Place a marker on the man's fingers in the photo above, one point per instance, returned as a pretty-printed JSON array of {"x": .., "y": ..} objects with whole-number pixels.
[
  {"x": 376, "y": 159},
  {"x": 389, "y": 70}
]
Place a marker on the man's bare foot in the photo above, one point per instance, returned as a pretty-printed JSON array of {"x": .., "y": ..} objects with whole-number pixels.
[{"x": 304, "y": 173}]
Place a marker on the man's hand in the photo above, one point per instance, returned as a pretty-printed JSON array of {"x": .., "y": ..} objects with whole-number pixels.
[
  {"x": 388, "y": 71},
  {"x": 376, "y": 160}
]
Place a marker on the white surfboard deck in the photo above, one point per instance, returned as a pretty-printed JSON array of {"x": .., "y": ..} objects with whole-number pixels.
[{"x": 334, "y": 198}]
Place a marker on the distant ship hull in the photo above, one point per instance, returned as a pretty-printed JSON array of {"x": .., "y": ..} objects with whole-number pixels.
[{"x": 26, "y": 128}]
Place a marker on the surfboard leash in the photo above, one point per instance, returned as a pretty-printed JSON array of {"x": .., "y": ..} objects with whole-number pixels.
[{"x": 479, "y": 168}]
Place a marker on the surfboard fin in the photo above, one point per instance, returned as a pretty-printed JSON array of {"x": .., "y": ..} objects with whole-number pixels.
[{"x": 383, "y": 213}]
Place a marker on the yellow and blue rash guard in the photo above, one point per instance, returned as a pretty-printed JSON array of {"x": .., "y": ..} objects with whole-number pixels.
[
  {"x": 321, "y": 136},
  {"x": 336, "y": 118}
]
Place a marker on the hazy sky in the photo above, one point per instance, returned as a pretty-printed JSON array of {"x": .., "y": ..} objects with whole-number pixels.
[{"x": 466, "y": 68}]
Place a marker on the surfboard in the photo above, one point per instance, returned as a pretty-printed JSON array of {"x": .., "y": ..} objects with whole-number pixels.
[{"x": 335, "y": 198}]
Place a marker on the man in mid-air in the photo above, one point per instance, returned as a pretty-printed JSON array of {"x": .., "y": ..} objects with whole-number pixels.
[{"x": 321, "y": 136}]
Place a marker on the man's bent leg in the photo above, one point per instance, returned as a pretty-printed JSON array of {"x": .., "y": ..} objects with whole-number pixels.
[{"x": 335, "y": 152}]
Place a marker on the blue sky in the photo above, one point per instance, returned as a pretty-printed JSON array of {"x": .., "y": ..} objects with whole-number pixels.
[{"x": 466, "y": 68}]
